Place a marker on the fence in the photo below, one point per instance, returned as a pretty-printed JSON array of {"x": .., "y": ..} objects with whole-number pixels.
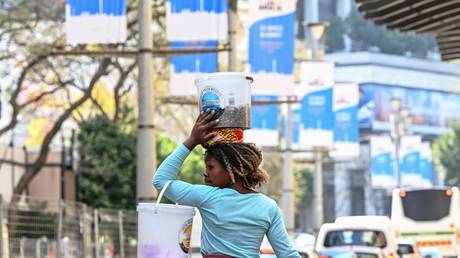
[{"x": 57, "y": 229}]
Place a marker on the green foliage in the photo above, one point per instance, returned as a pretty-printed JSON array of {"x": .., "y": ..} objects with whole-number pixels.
[
  {"x": 334, "y": 34},
  {"x": 303, "y": 185},
  {"x": 107, "y": 176},
  {"x": 193, "y": 167},
  {"x": 366, "y": 35},
  {"x": 446, "y": 151}
]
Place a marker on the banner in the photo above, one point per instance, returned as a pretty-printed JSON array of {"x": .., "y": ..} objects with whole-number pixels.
[
  {"x": 264, "y": 122},
  {"x": 381, "y": 162},
  {"x": 426, "y": 164},
  {"x": 431, "y": 110},
  {"x": 316, "y": 117},
  {"x": 186, "y": 68},
  {"x": 409, "y": 160},
  {"x": 346, "y": 131},
  {"x": 196, "y": 20},
  {"x": 90, "y": 21},
  {"x": 317, "y": 73},
  {"x": 271, "y": 46},
  {"x": 194, "y": 24}
]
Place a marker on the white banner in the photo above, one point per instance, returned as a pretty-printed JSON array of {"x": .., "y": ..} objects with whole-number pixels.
[
  {"x": 317, "y": 73},
  {"x": 196, "y": 20},
  {"x": 90, "y": 21}
]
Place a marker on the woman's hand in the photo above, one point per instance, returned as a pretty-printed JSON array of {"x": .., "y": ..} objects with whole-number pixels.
[{"x": 201, "y": 131}]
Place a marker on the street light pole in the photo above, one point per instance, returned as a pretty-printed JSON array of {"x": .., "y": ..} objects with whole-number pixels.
[
  {"x": 316, "y": 31},
  {"x": 146, "y": 153},
  {"x": 288, "y": 191},
  {"x": 400, "y": 125}
]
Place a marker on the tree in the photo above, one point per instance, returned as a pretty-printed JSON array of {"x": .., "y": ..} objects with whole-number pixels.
[
  {"x": 42, "y": 82},
  {"x": 107, "y": 172},
  {"x": 446, "y": 152},
  {"x": 335, "y": 32},
  {"x": 366, "y": 35}
]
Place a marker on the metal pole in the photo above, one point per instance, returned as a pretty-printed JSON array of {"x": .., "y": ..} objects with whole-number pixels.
[
  {"x": 13, "y": 161},
  {"x": 288, "y": 193},
  {"x": 396, "y": 163},
  {"x": 1, "y": 226},
  {"x": 232, "y": 32},
  {"x": 120, "y": 231},
  {"x": 59, "y": 230},
  {"x": 96, "y": 232},
  {"x": 318, "y": 189},
  {"x": 146, "y": 153}
]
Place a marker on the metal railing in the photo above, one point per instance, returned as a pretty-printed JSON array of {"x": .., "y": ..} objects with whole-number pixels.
[{"x": 35, "y": 228}]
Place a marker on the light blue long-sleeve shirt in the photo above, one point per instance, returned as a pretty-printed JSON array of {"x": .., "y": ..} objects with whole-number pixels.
[{"x": 234, "y": 224}]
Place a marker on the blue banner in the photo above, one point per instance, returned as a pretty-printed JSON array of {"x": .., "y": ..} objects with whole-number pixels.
[
  {"x": 346, "y": 129},
  {"x": 425, "y": 106},
  {"x": 382, "y": 162},
  {"x": 426, "y": 164},
  {"x": 186, "y": 68},
  {"x": 409, "y": 160},
  {"x": 271, "y": 46},
  {"x": 264, "y": 116},
  {"x": 264, "y": 122},
  {"x": 316, "y": 118}
]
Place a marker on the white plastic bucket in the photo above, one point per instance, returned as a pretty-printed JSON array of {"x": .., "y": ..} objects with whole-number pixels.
[
  {"x": 229, "y": 95},
  {"x": 164, "y": 230}
]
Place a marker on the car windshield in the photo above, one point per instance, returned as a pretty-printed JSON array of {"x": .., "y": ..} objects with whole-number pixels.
[{"x": 372, "y": 238}]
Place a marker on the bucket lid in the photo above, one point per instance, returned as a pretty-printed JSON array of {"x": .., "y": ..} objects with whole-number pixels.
[
  {"x": 223, "y": 76},
  {"x": 166, "y": 208}
]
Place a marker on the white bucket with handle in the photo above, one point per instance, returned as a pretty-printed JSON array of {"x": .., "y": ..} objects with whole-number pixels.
[{"x": 164, "y": 230}]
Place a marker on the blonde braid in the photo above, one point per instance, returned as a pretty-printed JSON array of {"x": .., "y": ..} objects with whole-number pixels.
[{"x": 241, "y": 160}]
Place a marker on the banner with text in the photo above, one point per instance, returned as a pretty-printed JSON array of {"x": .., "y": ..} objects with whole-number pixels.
[
  {"x": 409, "y": 160},
  {"x": 346, "y": 128},
  {"x": 264, "y": 122},
  {"x": 382, "y": 162},
  {"x": 89, "y": 21},
  {"x": 271, "y": 46},
  {"x": 315, "y": 94}
]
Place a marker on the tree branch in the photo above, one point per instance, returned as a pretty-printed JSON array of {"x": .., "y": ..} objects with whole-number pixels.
[{"x": 43, "y": 154}]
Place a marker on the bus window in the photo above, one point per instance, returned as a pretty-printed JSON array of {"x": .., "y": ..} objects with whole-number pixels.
[{"x": 439, "y": 204}]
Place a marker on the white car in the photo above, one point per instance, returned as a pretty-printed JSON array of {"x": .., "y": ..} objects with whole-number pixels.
[{"x": 348, "y": 233}]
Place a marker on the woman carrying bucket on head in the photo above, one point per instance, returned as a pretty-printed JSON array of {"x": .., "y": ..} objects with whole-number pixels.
[{"x": 235, "y": 217}]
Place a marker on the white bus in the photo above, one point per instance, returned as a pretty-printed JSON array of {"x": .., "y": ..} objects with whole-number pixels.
[{"x": 431, "y": 217}]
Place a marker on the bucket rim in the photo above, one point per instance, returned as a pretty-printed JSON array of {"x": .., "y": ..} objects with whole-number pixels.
[
  {"x": 227, "y": 75},
  {"x": 166, "y": 208}
]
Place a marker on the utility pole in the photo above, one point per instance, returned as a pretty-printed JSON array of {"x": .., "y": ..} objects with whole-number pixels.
[
  {"x": 318, "y": 189},
  {"x": 316, "y": 34},
  {"x": 288, "y": 191},
  {"x": 146, "y": 152},
  {"x": 232, "y": 32}
]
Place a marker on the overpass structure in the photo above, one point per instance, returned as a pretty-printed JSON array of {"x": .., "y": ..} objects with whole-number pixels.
[{"x": 439, "y": 17}]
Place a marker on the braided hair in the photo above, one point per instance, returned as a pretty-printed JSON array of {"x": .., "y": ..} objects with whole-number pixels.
[{"x": 242, "y": 161}]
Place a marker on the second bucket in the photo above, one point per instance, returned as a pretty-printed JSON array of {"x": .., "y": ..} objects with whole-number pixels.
[{"x": 229, "y": 95}]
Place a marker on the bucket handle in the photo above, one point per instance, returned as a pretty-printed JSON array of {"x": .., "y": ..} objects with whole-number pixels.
[{"x": 160, "y": 196}]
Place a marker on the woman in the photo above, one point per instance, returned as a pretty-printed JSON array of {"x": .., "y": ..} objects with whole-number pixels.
[{"x": 235, "y": 217}]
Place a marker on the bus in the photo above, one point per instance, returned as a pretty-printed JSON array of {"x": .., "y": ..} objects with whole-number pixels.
[{"x": 431, "y": 217}]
